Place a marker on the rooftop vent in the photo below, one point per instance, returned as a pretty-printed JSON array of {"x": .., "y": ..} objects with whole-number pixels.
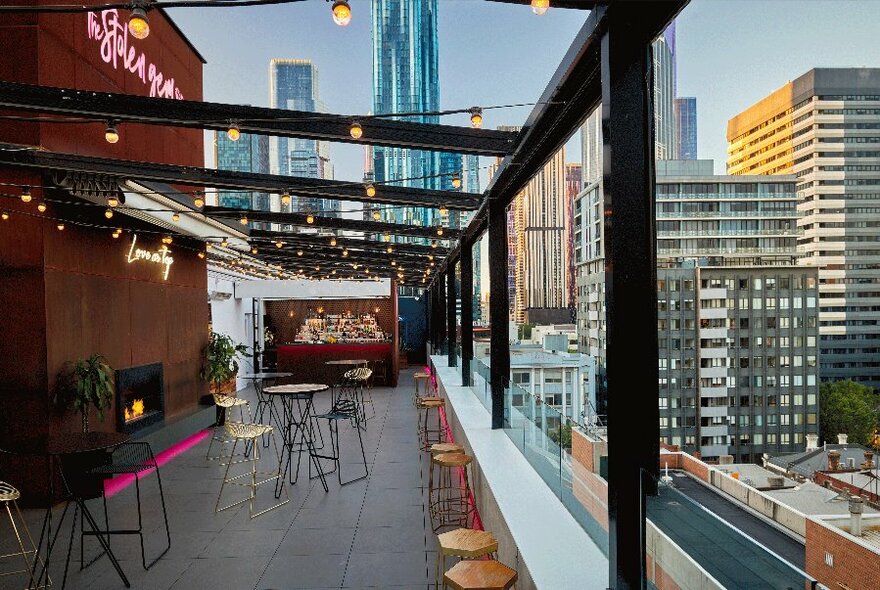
[
  {"x": 869, "y": 460},
  {"x": 776, "y": 481},
  {"x": 812, "y": 442},
  {"x": 841, "y": 439},
  {"x": 725, "y": 460},
  {"x": 856, "y": 507},
  {"x": 851, "y": 462},
  {"x": 833, "y": 460}
]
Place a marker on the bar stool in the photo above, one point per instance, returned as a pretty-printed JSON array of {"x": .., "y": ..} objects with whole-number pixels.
[
  {"x": 449, "y": 501},
  {"x": 249, "y": 433},
  {"x": 227, "y": 402},
  {"x": 466, "y": 544},
  {"x": 429, "y": 436},
  {"x": 480, "y": 575},
  {"x": 418, "y": 378},
  {"x": 10, "y": 495}
]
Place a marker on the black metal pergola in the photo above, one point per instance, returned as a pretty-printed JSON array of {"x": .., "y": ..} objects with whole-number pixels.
[{"x": 608, "y": 63}]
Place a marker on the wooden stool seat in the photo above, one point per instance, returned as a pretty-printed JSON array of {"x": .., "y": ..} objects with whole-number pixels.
[
  {"x": 467, "y": 543},
  {"x": 440, "y": 448},
  {"x": 480, "y": 575},
  {"x": 430, "y": 402},
  {"x": 452, "y": 459}
]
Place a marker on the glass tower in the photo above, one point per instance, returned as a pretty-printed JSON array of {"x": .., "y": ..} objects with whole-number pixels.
[
  {"x": 685, "y": 128},
  {"x": 249, "y": 154},
  {"x": 293, "y": 84},
  {"x": 405, "y": 80}
]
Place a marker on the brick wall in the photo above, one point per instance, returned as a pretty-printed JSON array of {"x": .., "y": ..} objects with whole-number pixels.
[
  {"x": 855, "y": 566},
  {"x": 820, "y": 478}
]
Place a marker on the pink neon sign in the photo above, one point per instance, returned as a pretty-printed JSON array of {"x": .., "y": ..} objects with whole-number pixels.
[{"x": 112, "y": 34}]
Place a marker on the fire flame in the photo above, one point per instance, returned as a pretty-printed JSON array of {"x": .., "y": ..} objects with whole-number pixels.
[{"x": 137, "y": 409}]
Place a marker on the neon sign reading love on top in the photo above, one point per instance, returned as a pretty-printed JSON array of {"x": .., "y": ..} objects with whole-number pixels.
[
  {"x": 160, "y": 256},
  {"x": 113, "y": 36}
]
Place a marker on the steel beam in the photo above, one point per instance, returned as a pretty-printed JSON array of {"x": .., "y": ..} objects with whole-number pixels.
[
  {"x": 307, "y": 239},
  {"x": 30, "y": 157},
  {"x": 451, "y": 332},
  {"x": 441, "y": 311},
  {"x": 377, "y": 131},
  {"x": 499, "y": 310},
  {"x": 467, "y": 312}
]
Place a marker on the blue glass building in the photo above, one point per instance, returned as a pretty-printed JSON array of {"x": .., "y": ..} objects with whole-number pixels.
[
  {"x": 686, "y": 128},
  {"x": 406, "y": 80},
  {"x": 249, "y": 154},
  {"x": 293, "y": 84}
]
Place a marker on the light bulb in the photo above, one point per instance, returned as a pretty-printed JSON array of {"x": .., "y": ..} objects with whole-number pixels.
[
  {"x": 371, "y": 190},
  {"x": 199, "y": 201},
  {"x": 539, "y": 7},
  {"x": 285, "y": 198},
  {"x": 393, "y": 263},
  {"x": 4, "y": 216},
  {"x": 389, "y": 249},
  {"x": 26, "y": 194},
  {"x": 111, "y": 134},
  {"x": 175, "y": 217},
  {"x": 345, "y": 252},
  {"x": 476, "y": 117},
  {"x": 430, "y": 257},
  {"x": 224, "y": 243},
  {"x": 439, "y": 231},
  {"x": 279, "y": 243},
  {"x": 138, "y": 24},
  {"x": 254, "y": 250},
  {"x": 341, "y": 13},
  {"x": 233, "y": 132},
  {"x": 310, "y": 219},
  {"x": 60, "y": 227},
  {"x": 201, "y": 254},
  {"x": 243, "y": 220},
  {"x": 116, "y": 235},
  {"x": 108, "y": 213},
  {"x": 356, "y": 131},
  {"x": 433, "y": 244},
  {"x": 332, "y": 241},
  {"x": 299, "y": 252},
  {"x": 456, "y": 180},
  {"x": 41, "y": 207},
  {"x": 376, "y": 215},
  {"x": 112, "y": 201},
  {"x": 443, "y": 211}
]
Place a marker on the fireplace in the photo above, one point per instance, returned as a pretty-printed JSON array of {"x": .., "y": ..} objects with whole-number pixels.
[{"x": 140, "y": 397}]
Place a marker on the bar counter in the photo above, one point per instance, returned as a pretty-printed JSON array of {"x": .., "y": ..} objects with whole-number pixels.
[{"x": 307, "y": 361}]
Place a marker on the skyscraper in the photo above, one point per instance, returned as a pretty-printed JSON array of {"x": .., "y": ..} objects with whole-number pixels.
[
  {"x": 293, "y": 84},
  {"x": 471, "y": 177},
  {"x": 823, "y": 128},
  {"x": 685, "y": 128},
  {"x": 249, "y": 154},
  {"x": 405, "y": 80},
  {"x": 573, "y": 184},
  {"x": 663, "y": 50}
]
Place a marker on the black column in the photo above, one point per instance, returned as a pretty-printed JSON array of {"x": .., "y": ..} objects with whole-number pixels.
[
  {"x": 467, "y": 312},
  {"x": 450, "y": 315},
  {"x": 630, "y": 290},
  {"x": 441, "y": 313},
  {"x": 499, "y": 310}
]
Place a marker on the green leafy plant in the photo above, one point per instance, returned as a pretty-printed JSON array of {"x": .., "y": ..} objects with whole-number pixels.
[
  {"x": 221, "y": 362},
  {"x": 85, "y": 383},
  {"x": 848, "y": 408}
]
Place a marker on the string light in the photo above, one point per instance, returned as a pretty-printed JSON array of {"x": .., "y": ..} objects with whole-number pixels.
[
  {"x": 456, "y": 180},
  {"x": 175, "y": 217},
  {"x": 371, "y": 190},
  {"x": 341, "y": 13},
  {"x": 4, "y": 216},
  {"x": 279, "y": 243},
  {"x": 201, "y": 254},
  {"x": 138, "y": 23},
  {"x": 112, "y": 201},
  {"x": 393, "y": 263},
  {"x": 356, "y": 131},
  {"x": 108, "y": 213},
  {"x": 41, "y": 207},
  {"x": 439, "y": 231},
  {"x": 243, "y": 220},
  {"x": 434, "y": 244},
  {"x": 539, "y": 7},
  {"x": 60, "y": 227},
  {"x": 299, "y": 252},
  {"x": 169, "y": 239},
  {"x": 332, "y": 241},
  {"x": 377, "y": 215},
  {"x": 224, "y": 243},
  {"x": 476, "y": 117},
  {"x": 285, "y": 198},
  {"x": 443, "y": 211},
  {"x": 199, "y": 201},
  {"x": 310, "y": 219},
  {"x": 254, "y": 250},
  {"x": 26, "y": 194},
  {"x": 116, "y": 234},
  {"x": 389, "y": 249},
  {"x": 111, "y": 134},
  {"x": 233, "y": 132},
  {"x": 345, "y": 252}
]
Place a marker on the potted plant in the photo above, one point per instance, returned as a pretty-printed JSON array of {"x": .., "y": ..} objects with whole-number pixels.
[
  {"x": 221, "y": 364},
  {"x": 85, "y": 383}
]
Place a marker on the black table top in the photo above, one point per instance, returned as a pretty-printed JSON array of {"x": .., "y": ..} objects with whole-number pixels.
[{"x": 64, "y": 443}]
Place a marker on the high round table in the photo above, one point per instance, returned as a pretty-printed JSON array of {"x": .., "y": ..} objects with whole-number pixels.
[{"x": 263, "y": 401}]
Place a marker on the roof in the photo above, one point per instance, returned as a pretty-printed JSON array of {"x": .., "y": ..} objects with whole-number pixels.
[
  {"x": 812, "y": 500},
  {"x": 540, "y": 357},
  {"x": 754, "y": 475},
  {"x": 806, "y": 463},
  {"x": 868, "y": 480}
]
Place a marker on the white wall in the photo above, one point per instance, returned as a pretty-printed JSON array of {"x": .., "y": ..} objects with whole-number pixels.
[{"x": 231, "y": 316}]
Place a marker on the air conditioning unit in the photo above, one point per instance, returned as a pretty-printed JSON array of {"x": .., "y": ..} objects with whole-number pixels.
[{"x": 219, "y": 295}]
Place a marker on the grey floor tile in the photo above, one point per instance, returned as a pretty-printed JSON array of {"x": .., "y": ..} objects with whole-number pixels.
[
  {"x": 384, "y": 570},
  {"x": 390, "y": 539},
  {"x": 303, "y": 541},
  {"x": 222, "y": 572},
  {"x": 303, "y": 571}
]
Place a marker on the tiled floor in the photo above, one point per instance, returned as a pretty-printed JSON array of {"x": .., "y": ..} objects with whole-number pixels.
[{"x": 370, "y": 534}]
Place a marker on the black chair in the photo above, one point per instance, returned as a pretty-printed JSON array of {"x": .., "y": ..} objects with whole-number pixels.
[
  {"x": 343, "y": 409},
  {"x": 131, "y": 458}
]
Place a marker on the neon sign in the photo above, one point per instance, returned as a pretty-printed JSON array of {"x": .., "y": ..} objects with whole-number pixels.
[
  {"x": 160, "y": 256},
  {"x": 113, "y": 36}
]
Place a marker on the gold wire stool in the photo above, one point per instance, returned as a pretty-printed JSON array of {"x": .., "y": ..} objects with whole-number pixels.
[
  {"x": 249, "y": 433},
  {"x": 428, "y": 435},
  {"x": 418, "y": 378},
  {"x": 465, "y": 544},
  {"x": 10, "y": 495},
  {"x": 355, "y": 379},
  {"x": 449, "y": 497},
  {"x": 227, "y": 402}
]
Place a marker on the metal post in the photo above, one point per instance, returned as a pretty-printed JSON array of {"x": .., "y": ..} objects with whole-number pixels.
[
  {"x": 450, "y": 315},
  {"x": 441, "y": 313},
  {"x": 467, "y": 312},
  {"x": 499, "y": 309},
  {"x": 630, "y": 290}
]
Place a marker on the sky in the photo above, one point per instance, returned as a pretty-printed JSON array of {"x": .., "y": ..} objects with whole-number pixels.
[{"x": 731, "y": 53}]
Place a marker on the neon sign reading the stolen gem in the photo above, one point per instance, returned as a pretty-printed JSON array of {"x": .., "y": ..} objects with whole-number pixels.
[{"x": 160, "y": 256}]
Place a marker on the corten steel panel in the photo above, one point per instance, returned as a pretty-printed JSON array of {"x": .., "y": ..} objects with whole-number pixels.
[
  {"x": 23, "y": 346},
  {"x": 65, "y": 334},
  {"x": 21, "y": 237},
  {"x": 149, "y": 310},
  {"x": 187, "y": 323},
  {"x": 183, "y": 388}
]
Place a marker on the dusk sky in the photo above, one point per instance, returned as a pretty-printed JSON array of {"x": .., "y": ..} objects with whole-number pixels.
[{"x": 730, "y": 54}]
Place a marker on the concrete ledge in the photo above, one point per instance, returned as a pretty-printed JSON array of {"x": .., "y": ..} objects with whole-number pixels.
[{"x": 536, "y": 533}]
